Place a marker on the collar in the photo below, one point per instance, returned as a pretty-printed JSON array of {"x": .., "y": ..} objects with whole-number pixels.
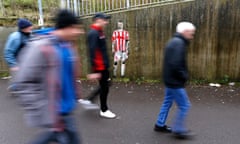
[
  {"x": 182, "y": 37},
  {"x": 95, "y": 27}
]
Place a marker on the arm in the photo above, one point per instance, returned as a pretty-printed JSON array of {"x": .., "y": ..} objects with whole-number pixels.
[
  {"x": 127, "y": 42},
  {"x": 113, "y": 42},
  {"x": 92, "y": 41},
  {"x": 30, "y": 77},
  {"x": 11, "y": 47}
]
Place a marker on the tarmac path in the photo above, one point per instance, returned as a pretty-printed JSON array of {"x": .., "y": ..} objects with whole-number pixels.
[{"x": 214, "y": 116}]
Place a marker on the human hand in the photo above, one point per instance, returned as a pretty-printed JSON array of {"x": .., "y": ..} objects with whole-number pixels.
[{"x": 94, "y": 76}]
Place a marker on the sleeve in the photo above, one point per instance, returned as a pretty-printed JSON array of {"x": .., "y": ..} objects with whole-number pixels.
[
  {"x": 11, "y": 47},
  {"x": 113, "y": 41},
  {"x": 92, "y": 41}
]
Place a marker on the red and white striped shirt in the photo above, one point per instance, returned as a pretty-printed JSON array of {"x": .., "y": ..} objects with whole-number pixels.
[{"x": 120, "y": 37}]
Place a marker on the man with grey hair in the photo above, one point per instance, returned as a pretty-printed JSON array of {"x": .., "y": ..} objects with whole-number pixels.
[{"x": 175, "y": 75}]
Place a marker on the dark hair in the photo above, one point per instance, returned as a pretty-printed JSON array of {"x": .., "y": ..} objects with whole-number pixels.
[{"x": 66, "y": 18}]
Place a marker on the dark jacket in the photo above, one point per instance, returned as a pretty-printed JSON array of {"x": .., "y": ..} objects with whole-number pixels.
[
  {"x": 175, "y": 72},
  {"x": 97, "y": 49}
]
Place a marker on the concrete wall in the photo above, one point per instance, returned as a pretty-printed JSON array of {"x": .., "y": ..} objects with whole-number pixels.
[{"x": 212, "y": 55}]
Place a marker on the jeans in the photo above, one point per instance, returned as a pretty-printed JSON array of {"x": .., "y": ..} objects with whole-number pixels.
[
  {"x": 180, "y": 96},
  {"x": 68, "y": 136}
]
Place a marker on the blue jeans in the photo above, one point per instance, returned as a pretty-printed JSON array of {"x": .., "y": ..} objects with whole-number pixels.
[
  {"x": 69, "y": 136},
  {"x": 180, "y": 96}
]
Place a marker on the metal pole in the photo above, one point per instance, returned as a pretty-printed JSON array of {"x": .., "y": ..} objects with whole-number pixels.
[
  {"x": 128, "y": 4},
  {"x": 75, "y": 7},
  {"x": 62, "y": 4},
  {"x": 40, "y": 21},
  {"x": 68, "y": 4}
]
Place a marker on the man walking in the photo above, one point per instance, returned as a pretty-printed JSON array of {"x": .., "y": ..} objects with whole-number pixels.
[
  {"x": 47, "y": 80},
  {"x": 99, "y": 60},
  {"x": 175, "y": 75},
  {"x": 15, "y": 42}
]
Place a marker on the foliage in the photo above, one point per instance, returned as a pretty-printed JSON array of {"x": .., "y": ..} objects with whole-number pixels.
[{"x": 27, "y": 8}]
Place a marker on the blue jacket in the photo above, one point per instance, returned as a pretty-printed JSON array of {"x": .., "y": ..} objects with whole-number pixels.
[
  {"x": 15, "y": 42},
  {"x": 67, "y": 77}
]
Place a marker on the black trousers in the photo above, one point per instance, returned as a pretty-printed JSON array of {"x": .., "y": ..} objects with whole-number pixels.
[{"x": 102, "y": 90}]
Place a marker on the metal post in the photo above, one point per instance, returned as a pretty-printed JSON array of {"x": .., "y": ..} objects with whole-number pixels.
[
  {"x": 94, "y": 7},
  {"x": 62, "y": 4},
  {"x": 75, "y": 7},
  {"x": 105, "y": 3},
  {"x": 68, "y": 4},
  {"x": 128, "y": 4},
  {"x": 82, "y": 4},
  {"x": 40, "y": 21},
  {"x": 112, "y": 4}
]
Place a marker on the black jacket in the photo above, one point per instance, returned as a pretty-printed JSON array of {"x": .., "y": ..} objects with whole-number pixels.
[
  {"x": 175, "y": 72},
  {"x": 97, "y": 49}
]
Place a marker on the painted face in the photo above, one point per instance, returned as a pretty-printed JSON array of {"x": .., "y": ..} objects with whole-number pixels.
[{"x": 120, "y": 25}]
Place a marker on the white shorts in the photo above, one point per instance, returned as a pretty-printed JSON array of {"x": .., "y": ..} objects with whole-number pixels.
[{"x": 120, "y": 56}]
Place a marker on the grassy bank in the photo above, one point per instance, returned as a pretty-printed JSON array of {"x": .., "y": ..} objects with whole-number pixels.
[{"x": 13, "y": 9}]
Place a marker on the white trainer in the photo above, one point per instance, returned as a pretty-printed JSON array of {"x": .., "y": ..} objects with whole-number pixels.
[
  {"x": 88, "y": 105},
  {"x": 107, "y": 114},
  {"x": 83, "y": 101}
]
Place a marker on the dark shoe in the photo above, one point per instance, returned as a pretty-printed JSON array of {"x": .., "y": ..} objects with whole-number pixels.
[
  {"x": 164, "y": 129},
  {"x": 184, "y": 135}
]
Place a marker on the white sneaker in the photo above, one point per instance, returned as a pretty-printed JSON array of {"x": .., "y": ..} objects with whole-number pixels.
[
  {"x": 83, "y": 101},
  {"x": 87, "y": 104},
  {"x": 107, "y": 114}
]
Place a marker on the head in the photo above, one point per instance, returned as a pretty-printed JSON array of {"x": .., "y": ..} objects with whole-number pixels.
[
  {"x": 68, "y": 26},
  {"x": 186, "y": 29},
  {"x": 101, "y": 19},
  {"x": 24, "y": 25},
  {"x": 120, "y": 25}
]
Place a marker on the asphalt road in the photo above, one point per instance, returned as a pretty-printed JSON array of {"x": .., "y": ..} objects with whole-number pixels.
[{"x": 214, "y": 116}]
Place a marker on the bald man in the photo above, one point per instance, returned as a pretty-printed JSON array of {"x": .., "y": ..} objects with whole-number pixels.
[{"x": 175, "y": 75}]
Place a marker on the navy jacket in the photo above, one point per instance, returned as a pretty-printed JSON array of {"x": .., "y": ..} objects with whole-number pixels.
[
  {"x": 97, "y": 49},
  {"x": 175, "y": 72}
]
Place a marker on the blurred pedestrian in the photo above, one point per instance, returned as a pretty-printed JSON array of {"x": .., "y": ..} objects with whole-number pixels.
[
  {"x": 48, "y": 81},
  {"x": 15, "y": 42},
  {"x": 175, "y": 75},
  {"x": 99, "y": 60}
]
